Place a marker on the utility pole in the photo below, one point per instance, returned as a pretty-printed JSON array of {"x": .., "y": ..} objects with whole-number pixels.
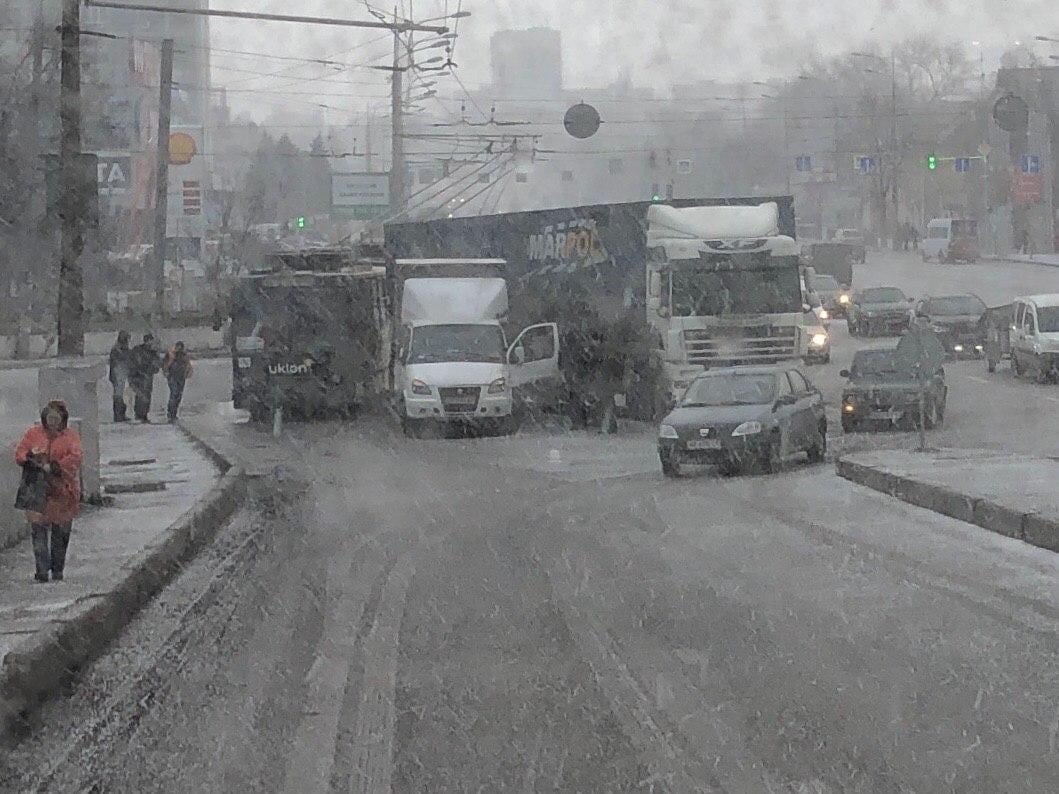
[
  {"x": 161, "y": 176},
  {"x": 71, "y": 199},
  {"x": 397, "y": 128},
  {"x": 893, "y": 136},
  {"x": 367, "y": 140}
]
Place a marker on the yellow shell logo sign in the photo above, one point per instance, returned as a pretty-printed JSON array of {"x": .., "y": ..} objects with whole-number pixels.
[{"x": 182, "y": 148}]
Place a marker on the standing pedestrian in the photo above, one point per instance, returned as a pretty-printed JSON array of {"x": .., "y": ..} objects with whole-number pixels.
[
  {"x": 120, "y": 363},
  {"x": 177, "y": 370},
  {"x": 145, "y": 365},
  {"x": 52, "y": 449}
]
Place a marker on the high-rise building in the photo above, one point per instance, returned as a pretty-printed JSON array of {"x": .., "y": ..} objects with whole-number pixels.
[{"x": 527, "y": 62}]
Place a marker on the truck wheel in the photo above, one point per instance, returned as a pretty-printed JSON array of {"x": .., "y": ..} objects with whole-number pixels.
[
  {"x": 990, "y": 365},
  {"x": 411, "y": 429},
  {"x": 848, "y": 425}
]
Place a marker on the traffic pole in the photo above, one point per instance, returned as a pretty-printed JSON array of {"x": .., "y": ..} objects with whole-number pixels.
[
  {"x": 71, "y": 185},
  {"x": 161, "y": 177},
  {"x": 397, "y": 128}
]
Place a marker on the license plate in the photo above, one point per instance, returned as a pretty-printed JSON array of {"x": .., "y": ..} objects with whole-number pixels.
[
  {"x": 891, "y": 415},
  {"x": 705, "y": 443}
]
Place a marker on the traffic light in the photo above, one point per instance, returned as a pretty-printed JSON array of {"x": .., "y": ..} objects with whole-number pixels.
[
  {"x": 656, "y": 197},
  {"x": 300, "y": 222},
  {"x": 932, "y": 162}
]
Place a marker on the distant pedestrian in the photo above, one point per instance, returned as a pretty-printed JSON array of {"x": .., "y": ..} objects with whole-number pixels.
[
  {"x": 52, "y": 450},
  {"x": 120, "y": 365},
  {"x": 146, "y": 362},
  {"x": 913, "y": 235},
  {"x": 177, "y": 369}
]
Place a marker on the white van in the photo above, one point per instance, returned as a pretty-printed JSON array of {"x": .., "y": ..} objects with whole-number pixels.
[
  {"x": 453, "y": 362},
  {"x": 1034, "y": 336},
  {"x": 950, "y": 240}
]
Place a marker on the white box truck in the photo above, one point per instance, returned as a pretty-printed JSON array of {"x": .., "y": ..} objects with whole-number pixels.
[{"x": 453, "y": 363}]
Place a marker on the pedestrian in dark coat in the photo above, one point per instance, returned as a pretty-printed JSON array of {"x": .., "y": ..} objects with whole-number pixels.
[
  {"x": 120, "y": 366},
  {"x": 53, "y": 449},
  {"x": 146, "y": 362},
  {"x": 177, "y": 370}
]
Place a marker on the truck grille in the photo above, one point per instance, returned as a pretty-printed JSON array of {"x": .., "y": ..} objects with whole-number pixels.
[
  {"x": 459, "y": 399},
  {"x": 761, "y": 344}
]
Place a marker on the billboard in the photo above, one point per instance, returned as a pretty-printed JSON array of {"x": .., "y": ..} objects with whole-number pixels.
[
  {"x": 360, "y": 196},
  {"x": 187, "y": 182}
]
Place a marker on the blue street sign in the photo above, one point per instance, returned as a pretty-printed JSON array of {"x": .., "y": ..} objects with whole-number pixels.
[
  {"x": 866, "y": 165},
  {"x": 963, "y": 164},
  {"x": 803, "y": 162},
  {"x": 1030, "y": 164}
]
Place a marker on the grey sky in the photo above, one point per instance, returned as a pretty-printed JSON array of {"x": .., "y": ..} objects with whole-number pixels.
[{"x": 655, "y": 43}]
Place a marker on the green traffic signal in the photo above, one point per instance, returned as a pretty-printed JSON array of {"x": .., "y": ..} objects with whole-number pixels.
[
  {"x": 932, "y": 162},
  {"x": 301, "y": 222}
]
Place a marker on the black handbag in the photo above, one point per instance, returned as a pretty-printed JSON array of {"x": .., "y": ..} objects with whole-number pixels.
[{"x": 32, "y": 490}]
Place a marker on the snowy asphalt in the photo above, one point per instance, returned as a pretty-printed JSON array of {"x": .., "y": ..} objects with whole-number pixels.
[{"x": 547, "y": 612}]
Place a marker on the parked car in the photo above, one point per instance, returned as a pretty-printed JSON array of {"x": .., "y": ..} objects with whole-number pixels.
[
  {"x": 956, "y": 319},
  {"x": 950, "y": 240},
  {"x": 855, "y": 239},
  {"x": 883, "y": 387},
  {"x": 1034, "y": 337},
  {"x": 742, "y": 417},
  {"x": 875, "y": 310}
]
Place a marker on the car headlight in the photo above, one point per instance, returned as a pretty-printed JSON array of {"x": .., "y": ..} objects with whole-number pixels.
[
  {"x": 823, "y": 314},
  {"x": 843, "y": 298},
  {"x": 818, "y": 340},
  {"x": 667, "y": 431},
  {"x": 419, "y": 387},
  {"x": 498, "y": 386},
  {"x": 938, "y": 329},
  {"x": 747, "y": 428}
]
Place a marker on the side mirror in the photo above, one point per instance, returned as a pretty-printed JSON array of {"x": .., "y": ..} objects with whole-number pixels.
[
  {"x": 518, "y": 355},
  {"x": 843, "y": 373},
  {"x": 787, "y": 399}
]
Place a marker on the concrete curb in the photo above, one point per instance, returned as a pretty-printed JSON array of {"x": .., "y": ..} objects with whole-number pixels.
[
  {"x": 1009, "y": 261},
  {"x": 38, "y": 667},
  {"x": 1025, "y": 526}
]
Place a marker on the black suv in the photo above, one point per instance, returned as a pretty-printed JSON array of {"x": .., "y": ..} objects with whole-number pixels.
[
  {"x": 883, "y": 386},
  {"x": 877, "y": 310},
  {"x": 956, "y": 320}
]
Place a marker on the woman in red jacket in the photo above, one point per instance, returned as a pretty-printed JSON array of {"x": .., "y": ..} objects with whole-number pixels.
[{"x": 55, "y": 448}]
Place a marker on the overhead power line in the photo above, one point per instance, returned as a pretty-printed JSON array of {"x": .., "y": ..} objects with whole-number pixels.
[{"x": 400, "y": 26}]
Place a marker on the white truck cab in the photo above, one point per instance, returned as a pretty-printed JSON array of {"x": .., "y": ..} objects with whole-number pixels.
[{"x": 453, "y": 362}]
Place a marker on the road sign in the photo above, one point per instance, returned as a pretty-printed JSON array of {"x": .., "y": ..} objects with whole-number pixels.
[
  {"x": 962, "y": 164},
  {"x": 581, "y": 120},
  {"x": 1011, "y": 113},
  {"x": 1027, "y": 188},
  {"x": 803, "y": 162},
  {"x": 360, "y": 196},
  {"x": 1030, "y": 164},
  {"x": 866, "y": 165}
]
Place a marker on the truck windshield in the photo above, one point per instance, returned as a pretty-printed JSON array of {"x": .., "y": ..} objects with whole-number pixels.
[
  {"x": 433, "y": 344},
  {"x": 706, "y": 292},
  {"x": 824, "y": 283}
]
